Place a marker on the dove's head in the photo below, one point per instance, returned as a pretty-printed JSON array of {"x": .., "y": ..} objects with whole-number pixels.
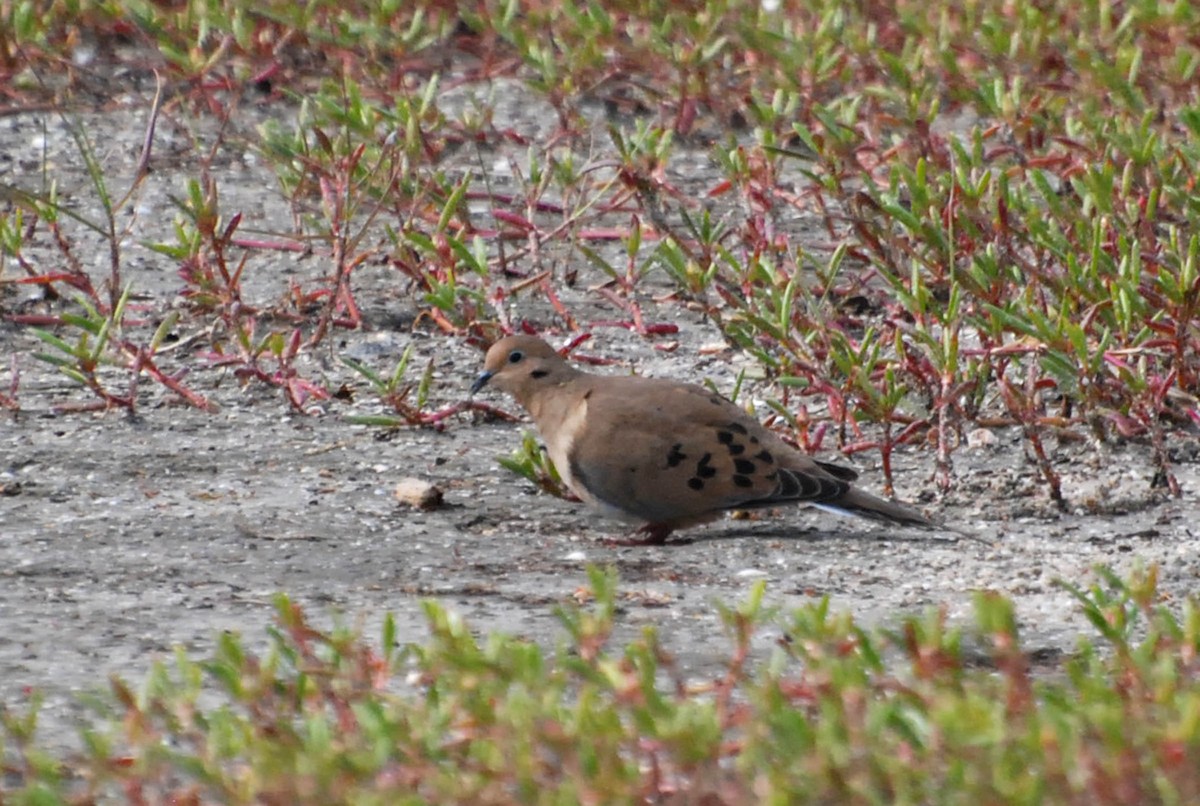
[{"x": 523, "y": 366}]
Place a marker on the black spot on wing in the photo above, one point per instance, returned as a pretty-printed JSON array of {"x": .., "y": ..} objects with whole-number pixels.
[
  {"x": 704, "y": 468},
  {"x": 764, "y": 456},
  {"x": 695, "y": 483},
  {"x": 737, "y": 428},
  {"x": 730, "y": 441},
  {"x": 744, "y": 466},
  {"x": 742, "y": 481},
  {"x": 676, "y": 455}
]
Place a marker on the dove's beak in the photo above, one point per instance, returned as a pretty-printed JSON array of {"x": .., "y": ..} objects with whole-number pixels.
[{"x": 481, "y": 381}]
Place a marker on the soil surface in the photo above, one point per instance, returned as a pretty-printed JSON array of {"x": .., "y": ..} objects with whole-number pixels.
[{"x": 123, "y": 537}]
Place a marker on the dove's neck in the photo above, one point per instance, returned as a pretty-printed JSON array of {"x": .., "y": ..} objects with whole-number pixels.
[{"x": 554, "y": 397}]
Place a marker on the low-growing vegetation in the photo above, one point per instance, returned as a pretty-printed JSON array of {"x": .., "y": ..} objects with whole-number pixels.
[{"x": 926, "y": 712}]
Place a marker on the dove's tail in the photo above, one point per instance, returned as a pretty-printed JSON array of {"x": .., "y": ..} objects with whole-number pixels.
[{"x": 863, "y": 504}]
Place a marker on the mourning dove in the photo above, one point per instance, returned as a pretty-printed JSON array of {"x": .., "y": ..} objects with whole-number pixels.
[{"x": 664, "y": 454}]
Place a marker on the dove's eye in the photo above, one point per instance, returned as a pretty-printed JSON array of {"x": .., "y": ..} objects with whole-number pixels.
[{"x": 515, "y": 357}]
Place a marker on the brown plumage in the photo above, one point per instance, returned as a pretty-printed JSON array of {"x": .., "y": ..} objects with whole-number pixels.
[{"x": 664, "y": 454}]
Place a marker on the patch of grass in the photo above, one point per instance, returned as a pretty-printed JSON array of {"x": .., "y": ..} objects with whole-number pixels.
[
  {"x": 920, "y": 218},
  {"x": 531, "y": 462},
  {"x": 921, "y": 713}
]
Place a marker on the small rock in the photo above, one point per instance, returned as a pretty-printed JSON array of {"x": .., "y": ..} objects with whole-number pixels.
[
  {"x": 418, "y": 493},
  {"x": 981, "y": 438}
]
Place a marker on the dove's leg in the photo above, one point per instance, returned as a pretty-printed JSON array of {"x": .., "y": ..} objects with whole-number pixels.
[{"x": 652, "y": 534}]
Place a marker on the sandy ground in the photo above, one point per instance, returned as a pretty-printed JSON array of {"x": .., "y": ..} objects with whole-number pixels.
[{"x": 122, "y": 537}]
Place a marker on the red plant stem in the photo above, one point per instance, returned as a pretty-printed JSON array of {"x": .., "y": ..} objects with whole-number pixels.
[
  {"x": 143, "y": 360},
  {"x": 943, "y": 446},
  {"x": 438, "y": 416},
  {"x": 885, "y": 458}
]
